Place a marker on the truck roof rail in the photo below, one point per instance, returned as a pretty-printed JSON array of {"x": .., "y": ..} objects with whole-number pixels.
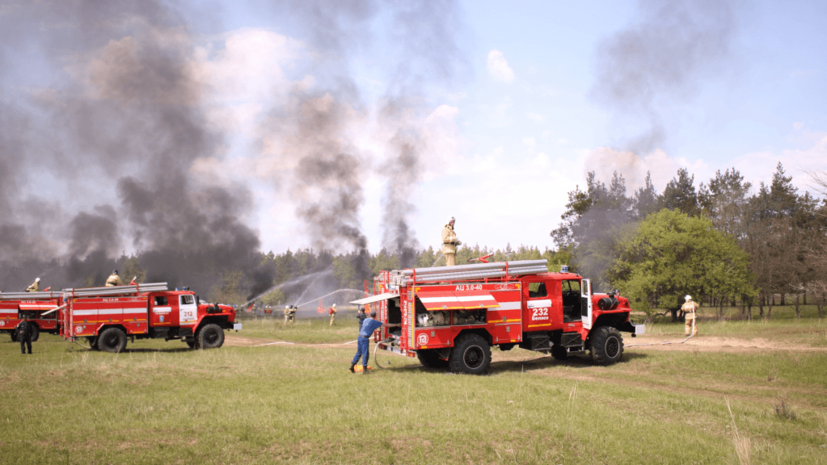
[
  {"x": 29, "y": 295},
  {"x": 117, "y": 290},
  {"x": 465, "y": 272}
]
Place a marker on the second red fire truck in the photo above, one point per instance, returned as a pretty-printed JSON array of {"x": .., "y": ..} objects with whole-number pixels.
[
  {"x": 452, "y": 316},
  {"x": 107, "y": 316}
]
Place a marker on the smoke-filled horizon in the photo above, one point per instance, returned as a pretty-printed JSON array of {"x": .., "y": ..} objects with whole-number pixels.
[{"x": 103, "y": 156}]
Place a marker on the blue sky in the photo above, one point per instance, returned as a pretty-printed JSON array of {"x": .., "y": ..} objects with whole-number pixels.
[{"x": 516, "y": 123}]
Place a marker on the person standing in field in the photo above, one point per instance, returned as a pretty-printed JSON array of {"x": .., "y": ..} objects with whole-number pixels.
[
  {"x": 332, "y": 312},
  {"x": 689, "y": 311},
  {"x": 361, "y": 316},
  {"x": 24, "y": 335},
  {"x": 450, "y": 243},
  {"x": 286, "y": 314},
  {"x": 363, "y": 342}
]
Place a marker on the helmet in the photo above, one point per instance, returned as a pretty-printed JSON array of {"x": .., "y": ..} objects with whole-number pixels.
[
  {"x": 37, "y": 280},
  {"x": 114, "y": 271},
  {"x": 689, "y": 297},
  {"x": 286, "y": 307},
  {"x": 334, "y": 305},
  {"x": 451, "y": 218}
]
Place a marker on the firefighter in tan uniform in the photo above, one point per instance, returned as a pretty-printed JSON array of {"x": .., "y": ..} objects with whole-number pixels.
[
  {"x": 689, "y": 312},
  {"x": 35, "y": 287},
  {"x": 286, "y": 314},
  {"x": 450, "y": 243},
  {"x": 332, "y": 312},
  {"x": 114, "y": 280}
]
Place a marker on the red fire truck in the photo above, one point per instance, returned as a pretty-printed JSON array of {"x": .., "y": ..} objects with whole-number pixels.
[
  {"x": 107, "y": 316},
  {"x": 451, "y": 316},
  {"x": 36, "y": 306}
]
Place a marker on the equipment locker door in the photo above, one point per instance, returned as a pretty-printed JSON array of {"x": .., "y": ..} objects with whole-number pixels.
[{"x": 586, "y": 303}]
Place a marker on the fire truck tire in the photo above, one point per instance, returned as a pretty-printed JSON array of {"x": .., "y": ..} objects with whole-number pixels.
[
  {"x": 559, "y": 352},
  {"x": 430, "y": 359},
  {"x": 607, "y": 345},
  {"x": 112, "y": 340},
  {"x": 211, "y": 336},
  {"x": 35, "y": 333},
  {"x": 471, "y": 355}
]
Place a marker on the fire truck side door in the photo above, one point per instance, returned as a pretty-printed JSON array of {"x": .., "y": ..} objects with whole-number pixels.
[
  {"x": 187, "y": 310},
  {"x": 586, "y": 303},
  {"x": 538, "y": 305},
  {"x": 161, "y": 311}
]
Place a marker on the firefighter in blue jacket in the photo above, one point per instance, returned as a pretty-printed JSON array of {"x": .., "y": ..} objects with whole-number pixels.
[{"x": 363, "y": 342}]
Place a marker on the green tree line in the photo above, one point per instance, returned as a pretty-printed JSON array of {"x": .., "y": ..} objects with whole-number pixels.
[{"x": 723, "y": 242}]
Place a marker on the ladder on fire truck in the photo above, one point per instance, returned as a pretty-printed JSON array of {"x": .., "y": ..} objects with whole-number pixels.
[
  {"x": 114, "y": 291},
  {"x": 477, "y": 271}
]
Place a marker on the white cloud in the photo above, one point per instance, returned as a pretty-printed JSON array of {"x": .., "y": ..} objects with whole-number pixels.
[
  {"x": 536, "y": 117},
  {"x": 759, "y": 166},
  {"x": 798, "y": 125},
  {"x": 529, "y": 142},
  {"x": 606, "y": 160},
  {"x": 498, "y": 67},
  {"x": 562, "y": 141}
]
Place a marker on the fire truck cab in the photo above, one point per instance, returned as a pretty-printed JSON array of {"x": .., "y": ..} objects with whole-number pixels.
[
  {"x": 106, "y": 316},
  {"x": 451, "y": 316},
  {"x": 35, "y": 306}
]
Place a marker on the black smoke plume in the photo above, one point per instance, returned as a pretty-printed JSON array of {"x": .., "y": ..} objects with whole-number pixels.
[{"x": 120, "y": 130}]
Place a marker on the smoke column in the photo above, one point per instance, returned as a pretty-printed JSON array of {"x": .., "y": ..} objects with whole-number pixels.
[
  {"x": 661, "y": 59},
  {"x": 318, "y": 127},
  {"x": 115, "y": 134}
]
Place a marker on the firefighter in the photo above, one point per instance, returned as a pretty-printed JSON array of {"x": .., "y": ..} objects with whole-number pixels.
[
  {"x": 361, "y": 316},
  {"x": 332, "y": 312},
  {"x": 114, "y": 280},
  {"x": 286, "y": 314},
  {"x": 450, "y": 243},
  {"x": 35, "y": 287},
  {"x": 24, "y": 335},
  {"x": 689, "y": 310},
  {"x": 293, "y": 310},
  {"x": 363, "y": 342}
]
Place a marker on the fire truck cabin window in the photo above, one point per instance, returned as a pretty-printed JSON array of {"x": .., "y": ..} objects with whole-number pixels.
[
  {"x": 161, "y": 300},
  {"x": 537, "y": 290},
  {"x": 572, "y": 285},
  {"x": 187, "y": 299}
]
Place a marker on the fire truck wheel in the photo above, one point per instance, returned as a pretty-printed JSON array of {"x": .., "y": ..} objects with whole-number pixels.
[
  {"x": 471, "y": 355},
  {"x": 211, "y": 336},
  {"x": 559, "y": 352},
  {"x": 430, "y": 359},
  {"x": 112, "y": 340},
  {"x": 607, "y": 345},
  {"x": 35, "y": 333}
]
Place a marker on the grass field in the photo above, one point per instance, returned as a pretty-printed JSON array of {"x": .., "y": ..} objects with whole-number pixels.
[{"x": 249, "y": 402}]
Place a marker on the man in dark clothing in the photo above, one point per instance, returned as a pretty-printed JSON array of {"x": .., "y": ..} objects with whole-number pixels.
[
  {"x": 24, "y": 335},
  {"x": 361, "y": 316},
  {"x": 363, "y": 342}
]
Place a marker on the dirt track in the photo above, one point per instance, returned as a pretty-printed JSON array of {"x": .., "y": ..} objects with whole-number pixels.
[{"x": 715, "y": 344}]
